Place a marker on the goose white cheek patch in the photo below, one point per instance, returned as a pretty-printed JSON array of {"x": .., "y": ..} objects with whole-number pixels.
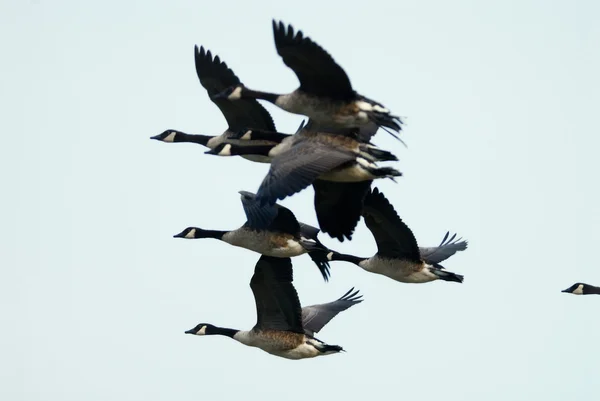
[
  {"x": 236, "y": 94},
  {"x": 170, "y": 137},
  {"x": 226, "y": 151}
]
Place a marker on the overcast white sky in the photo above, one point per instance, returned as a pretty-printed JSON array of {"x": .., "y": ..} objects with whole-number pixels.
[{"x": 502, "y": 103}]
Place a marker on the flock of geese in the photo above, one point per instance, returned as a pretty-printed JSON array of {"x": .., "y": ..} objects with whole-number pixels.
[{"x": 333, "y": 153}]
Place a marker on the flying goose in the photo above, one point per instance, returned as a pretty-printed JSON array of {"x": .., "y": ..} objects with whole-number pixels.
[
  {"x": 312, "y": 154},
  {"x": 325, "y": 93},
  {"x": 283, "y": 328},
  {"x": 582, "y": 289},
  {"x": 270, "y": 230},
  {"x": 215, "y": 76},
  {"x": 340, "y": 167},
  {"x": 398, "y": 255},
  {"x": 338, "y": 205}
]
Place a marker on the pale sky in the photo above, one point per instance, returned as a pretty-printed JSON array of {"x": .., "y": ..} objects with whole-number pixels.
[{"x": 501, "y": 100}]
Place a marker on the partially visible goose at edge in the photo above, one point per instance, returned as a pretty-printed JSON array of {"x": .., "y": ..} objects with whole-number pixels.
[
  {"x": 215, "y": 76},
  {"x": 582, "y": 289},
  {"x": 270, "y": 230},
  {"x": 398, "y": 255},
  {"x": 325, "y": 93},
  {"x": 340, "y": 167},
  {"x": 283, "y": 328}
]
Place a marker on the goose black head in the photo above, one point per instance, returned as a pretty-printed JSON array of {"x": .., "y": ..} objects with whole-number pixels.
[
  {"x": 201, "y": 329},
  {"x": 231, "y": 93},
  {"x": 577, "y": 289},
  {"x": 222, "y": 149},
  {"x": 190, "y": 232},
  {"x": 169, "y": 135},
  {"x": 205, "y": 329}
]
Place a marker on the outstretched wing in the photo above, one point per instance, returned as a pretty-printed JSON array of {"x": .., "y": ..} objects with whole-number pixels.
[
  {"x": 394, "y": 239},
  {"x": 258, "y": 216},
  {"x": 316, "y": 70},
  {"x": 447, "y": 248},
  {"x": 277, "y": 303},
  {"x": 215, "y": 77},
  {"x": 266, "y": 216},
  {"x": 297, "y": 168},
  {"x": 314, "y": 317},
  {"x": 339, "y": 206}
]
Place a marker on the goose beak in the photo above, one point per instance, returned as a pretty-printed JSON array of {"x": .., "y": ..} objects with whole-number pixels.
[
  {"x": 565, "y": 290},
  {"x": 180, "y": 235},
  {"x": 157, "y": 137},
  {"x": 191, "y": 331}
]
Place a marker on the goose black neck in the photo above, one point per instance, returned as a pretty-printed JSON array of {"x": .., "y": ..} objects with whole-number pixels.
[
  {"x": 221, "y": 331},
  {"x": 216, "y": 234},
  {"x": 264, "y": 135},
  {"x": 346, "y": 258},
  {"x": 190, "y": 138},
  {"x": 252, "y": 94},
  {"x": 592, "y": 290},
  {"x": 239, "y": 150}
]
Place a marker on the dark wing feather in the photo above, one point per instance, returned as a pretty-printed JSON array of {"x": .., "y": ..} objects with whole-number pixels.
[
  {"x": 309, "y": 231},
  {"x": 285, "y": 222},
  {"x": 335, "y": 129},
  {"x": 367, "y": 131},
  {"x": 316, "y": 70},
  {"x": 215, "y": 77},
  {"x": 258, "y": 216},
  {"x": 394, "y": 238},
  {"x": 268, "y": 217},
  {"x": 364, "y": 133},
  {"x": 277, "y": 303},
  {"x": 447, "y": 248},
  {"x": 318, "y": 252},
  {"x": 314, "y": 317},
  {"x": 339, "y": 206},
  {"x": 297, "y": 168}
]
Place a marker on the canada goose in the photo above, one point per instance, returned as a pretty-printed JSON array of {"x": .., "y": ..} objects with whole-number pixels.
[
  {"x": 215, "y": 76},
  {"x": 311, "y": 154},
  {"x": 325, "y": 93},
  {"x": 270, "y": 230},
  {"x": 283, "y": 328},
  {"x": 582, "y": 289},
  {"x": 338, "y": 205},
  {"x": 398, "y": 255}
]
